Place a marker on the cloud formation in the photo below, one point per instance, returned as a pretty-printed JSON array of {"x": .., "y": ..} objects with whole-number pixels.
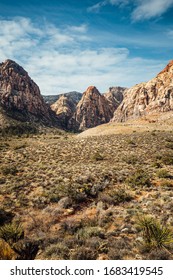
[
  {"x": 150, "y": 8},
  {"x": 142, "y": 10},
  {"x": 58, "y": 60}
]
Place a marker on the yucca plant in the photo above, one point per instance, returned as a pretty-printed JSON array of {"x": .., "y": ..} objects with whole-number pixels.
[
  {"x": 155, "y": 235},
  {"x": 11, "y": 233}
]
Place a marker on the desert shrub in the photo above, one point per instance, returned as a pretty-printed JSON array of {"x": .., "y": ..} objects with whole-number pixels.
[
  {"x": 167, "y": 159},
  {"x": 26, "y": 249},
  {"x": 97, "y": 156},
  {"x": 6, "y": 253},
  {"x": 155, "y": 235},
  {"x": 11, "y": 233},
  {"x": 131, "y": 159},
  {"x": 70, "y": 226},
  {"x": 167, "y": 184},
  {"x": 76, "y": 192},
  {"x": 139, "y": 178},
  {"x": 159, "y": 255},
  {"x": 5, "y": 216},
  {"x": 163, "y": 173},
  {"x": 120, "y": 195},
  {"x": 115, "y": 254},
  {"x": 118, "y": 248},
  {"x": 9, "y": 170},
  {"x": 18, "y": 129},
  {"x": 88, "y": 232},
  {"x": 56, "y": 193},
  {"x": 157, "y": 163},
  {"x": 83, "y": 253},
  {"x": 57, "y": 251}
]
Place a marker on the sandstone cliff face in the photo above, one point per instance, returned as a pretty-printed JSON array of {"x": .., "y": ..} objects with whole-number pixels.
[
  {"x": 114, "y": 97},
  {"x": 74, "y": 95},
  {"x": 64, "y": 108},
  {"x": 20, "y": 97},
  {"x": 93, "y": 109},
  {"x": 144, "y": 99}
]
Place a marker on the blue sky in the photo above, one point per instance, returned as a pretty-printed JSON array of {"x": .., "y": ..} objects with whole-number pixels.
[{"x": 68, "y": 45}]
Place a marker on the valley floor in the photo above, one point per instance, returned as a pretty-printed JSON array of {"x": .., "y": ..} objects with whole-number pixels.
[{"x": 85, "y": 198}]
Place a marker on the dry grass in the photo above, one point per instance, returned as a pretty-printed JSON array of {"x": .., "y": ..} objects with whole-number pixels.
[{"x": 76, "y": 196}]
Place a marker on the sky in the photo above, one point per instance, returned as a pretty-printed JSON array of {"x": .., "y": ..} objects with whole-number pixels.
[{"x": 68, "y": 45}]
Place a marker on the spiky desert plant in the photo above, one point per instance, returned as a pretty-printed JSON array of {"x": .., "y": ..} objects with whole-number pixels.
[
  {"x": 155, "y": 235},
  {"x": 11, "y": 233}
]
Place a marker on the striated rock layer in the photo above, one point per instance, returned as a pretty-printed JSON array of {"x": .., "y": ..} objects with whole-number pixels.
[
  {"x": 20, "y": 97},
  {"x": 92, "y": 110},
  {"x": 148, "y": 98}
]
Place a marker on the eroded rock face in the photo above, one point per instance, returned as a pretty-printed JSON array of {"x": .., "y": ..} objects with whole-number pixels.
[
  {"x": 93, "y": 109},
  {"x": 64, "y": 108},
  {"x": 114, "y": 97},
  {"x": 74, "y": 95},
  {"x": 144, "y": 99},
  {"x": 20, "y": 96}
]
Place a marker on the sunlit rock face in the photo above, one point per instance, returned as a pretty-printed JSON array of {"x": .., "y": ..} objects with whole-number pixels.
[
  {"x": 64, "y": 108},
  {"x": 92, "y": 110},
  {"x": 144, "y": 99},
  {"x": 20, "y": 96}
]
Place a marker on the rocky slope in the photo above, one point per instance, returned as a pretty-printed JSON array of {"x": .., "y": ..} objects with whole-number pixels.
[
  {"x": 93, "y": 109},
  {"x": 64, "y": 108},
  {"x": 148, "y": 98},
  {"x": 51, "y": 99},
  {"x": 20, "y": 97}
]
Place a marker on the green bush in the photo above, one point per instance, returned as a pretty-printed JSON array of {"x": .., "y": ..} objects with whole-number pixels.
[
  {"x": 139, "y": 178},
  {"x": 163, "y": 173},
  {"x": 120, "y": 195}
]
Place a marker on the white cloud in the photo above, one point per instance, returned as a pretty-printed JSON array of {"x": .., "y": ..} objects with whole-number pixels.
[
  {"x": 78, "y": 29},
  {"x": 150, "y": 8},
  {"x": 142, "y": 9},
  {"x": 99, "y": 5},
  {"x": 58, "y": 61}
]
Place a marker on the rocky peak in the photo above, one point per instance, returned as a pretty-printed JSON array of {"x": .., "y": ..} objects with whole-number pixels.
[
  {"x": 168, "y": 68},
  {"x": 64, "y": 108},
  {"x": 91, "y": 90},
  {"x": 93, "y": 109},
  {"x": 144, "y": 99},
  {"x": 20, "y": 96}
]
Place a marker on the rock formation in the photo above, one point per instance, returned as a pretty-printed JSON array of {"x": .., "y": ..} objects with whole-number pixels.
[
  {"x": 114, "y": 97},
  {"x": 64, "y": 108},
  {"x": 74, "y": 95},
  {"x": 93, "y": 109},
  {"x": 144, "y": 99},
  {"x": 20, "y": 97}
]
